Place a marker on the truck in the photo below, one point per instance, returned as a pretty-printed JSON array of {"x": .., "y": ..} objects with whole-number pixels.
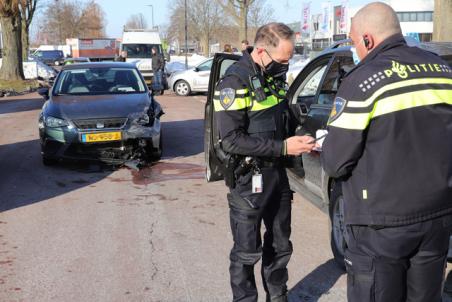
[
  {"x": 99, "y": 49},
  {"x": 138, "y": 44}
]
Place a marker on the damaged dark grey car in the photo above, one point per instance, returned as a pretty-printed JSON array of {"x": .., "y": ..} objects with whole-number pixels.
[{"x": 100, "y": 111}]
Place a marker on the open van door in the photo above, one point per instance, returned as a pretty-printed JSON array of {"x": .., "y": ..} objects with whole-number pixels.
[{"x": 220, "y": 64}]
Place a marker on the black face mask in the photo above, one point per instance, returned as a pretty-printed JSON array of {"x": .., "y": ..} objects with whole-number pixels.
[{"x": 276, "y": 69}]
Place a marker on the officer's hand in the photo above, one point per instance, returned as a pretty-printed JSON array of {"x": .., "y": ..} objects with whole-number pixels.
[{"x": 299, "y": 144}]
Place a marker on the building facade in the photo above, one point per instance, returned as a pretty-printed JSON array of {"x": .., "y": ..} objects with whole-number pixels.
[{"x": 416, "y": 18}]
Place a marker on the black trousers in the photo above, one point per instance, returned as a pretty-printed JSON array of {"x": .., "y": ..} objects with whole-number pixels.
[
  {"x": 392, "y": 264},
  {"x": 247, "y": 211}
]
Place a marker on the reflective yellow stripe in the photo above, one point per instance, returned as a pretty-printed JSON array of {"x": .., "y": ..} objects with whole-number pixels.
[
  {"x": 411, "y": 100},
  {"x": 406, "y": 83},
  {"x": 267, "y": 103},
  {"x": 360, "y": 121},
  {"x": 353, "y": 121},
  {"x": 238, "y": 91},
  {"x": 238, "y": 104}
]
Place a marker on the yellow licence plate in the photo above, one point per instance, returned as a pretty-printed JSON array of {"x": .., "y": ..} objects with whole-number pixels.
[{"x": 101, "y": 137}]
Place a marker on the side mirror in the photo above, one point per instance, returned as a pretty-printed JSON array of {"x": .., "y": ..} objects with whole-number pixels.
[
  {"x": 196, "y": 69},
  {"x": 44, "y": 92}
]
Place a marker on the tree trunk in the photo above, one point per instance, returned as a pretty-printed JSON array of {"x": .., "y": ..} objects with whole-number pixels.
[
  {"x": 442, "y": 22},
  {"x": 25, "y": 40},
  {"x": 243, "y": 22},
  {"x": 205, "y": 46},
  {"x": 12, "y": 68}
]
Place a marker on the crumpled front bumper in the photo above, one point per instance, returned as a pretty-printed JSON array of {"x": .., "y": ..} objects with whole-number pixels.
[{"x": 136, "y": 141}]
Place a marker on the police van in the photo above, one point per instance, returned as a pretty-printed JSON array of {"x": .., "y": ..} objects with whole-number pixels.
[{"x": 311, "y": 98}]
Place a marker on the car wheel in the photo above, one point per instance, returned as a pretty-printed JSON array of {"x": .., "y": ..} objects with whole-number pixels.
[
  {"x": 336, "y": 211},
  {"x": 182, "y": 88},
  {"x": 48, "y": 161}
]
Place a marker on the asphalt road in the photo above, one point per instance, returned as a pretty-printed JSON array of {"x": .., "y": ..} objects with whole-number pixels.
[{"x": 78, "y": 232}]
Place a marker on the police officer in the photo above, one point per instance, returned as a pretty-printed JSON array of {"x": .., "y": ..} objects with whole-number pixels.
[
  {"x": 252, "y": 116},
  {"x": 390, "y": 140}
]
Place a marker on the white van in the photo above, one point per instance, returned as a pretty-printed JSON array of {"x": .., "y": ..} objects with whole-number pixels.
[{"x": 138, "y": 43}]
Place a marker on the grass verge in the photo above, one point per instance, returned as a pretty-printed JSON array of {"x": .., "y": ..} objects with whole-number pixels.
[{"x": 18, "y": 86}]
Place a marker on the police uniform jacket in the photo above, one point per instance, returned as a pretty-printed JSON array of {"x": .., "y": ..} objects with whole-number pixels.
[
  {"x": 248, "y": 127},
  {"x": 390, "y": 137}
]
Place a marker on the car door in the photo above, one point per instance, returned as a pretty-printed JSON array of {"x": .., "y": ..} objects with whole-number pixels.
[
  {"x": 220, "y": 63},
  {"x": 311, "y": 98},
  {"x": 202, "y": 75}
]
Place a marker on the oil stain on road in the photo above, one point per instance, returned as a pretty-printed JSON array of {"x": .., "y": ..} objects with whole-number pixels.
[{"x": 164, "y": 171}]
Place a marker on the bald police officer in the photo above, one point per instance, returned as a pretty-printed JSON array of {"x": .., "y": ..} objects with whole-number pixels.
[
  {"x": 252, "y": 118},
  {"x": 390, "y": 140}
]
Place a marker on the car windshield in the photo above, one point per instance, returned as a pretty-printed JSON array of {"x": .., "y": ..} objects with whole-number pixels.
[
  {"x": 50, "y": 54},
  {"x": 99, "y": 80},
  {"x": 141, "y": 50}
]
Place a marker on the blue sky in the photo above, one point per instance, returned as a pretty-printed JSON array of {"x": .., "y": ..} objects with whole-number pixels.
[{"x": 117, "y": 12}]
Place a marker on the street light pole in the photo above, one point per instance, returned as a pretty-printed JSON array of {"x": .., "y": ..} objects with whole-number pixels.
[
  {"x": 152, "y": 8},
  {"x": 186, "y": 37}
]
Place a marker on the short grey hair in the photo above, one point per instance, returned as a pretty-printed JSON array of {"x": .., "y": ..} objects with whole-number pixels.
[{"x": 270, "y": 34}]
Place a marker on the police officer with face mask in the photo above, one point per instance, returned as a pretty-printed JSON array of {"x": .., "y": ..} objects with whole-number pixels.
[{"x": 253, "y": 121}]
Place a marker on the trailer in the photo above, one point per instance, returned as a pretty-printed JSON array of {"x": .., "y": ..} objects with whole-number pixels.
[{"x": 94, "y": 49}]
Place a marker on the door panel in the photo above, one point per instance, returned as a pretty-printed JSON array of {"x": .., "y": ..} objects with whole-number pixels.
[
  {"x": 220, "y": 64},
  {"x": 319, "y": 112},
  {"x": 302, "y": 97}
]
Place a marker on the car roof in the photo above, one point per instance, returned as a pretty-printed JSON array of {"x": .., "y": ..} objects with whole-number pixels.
[
  {"x": 443, "y": 49},
  {"x": 99, "y": 65}
]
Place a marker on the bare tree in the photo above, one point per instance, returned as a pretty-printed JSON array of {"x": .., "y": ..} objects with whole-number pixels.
[
  {"x": 205, "y": 15},
  {"x": 137, "y": 21},
  {"x": 10, "y": 20},
  {"x": 204, "y": 21},
  {"x": 259, "y": 14},
  {"x": 92, "y": 20},
  {"x": 216, "y": 21},
  {"x": 247, "y": 12},
  {"x": 238, "y": 10},
  {"x": 72, "y": 18},
  {"x": 27, "y": 10}
]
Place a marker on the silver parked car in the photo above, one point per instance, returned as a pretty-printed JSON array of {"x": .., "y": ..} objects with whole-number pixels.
[{"x": 194, "y": 79}]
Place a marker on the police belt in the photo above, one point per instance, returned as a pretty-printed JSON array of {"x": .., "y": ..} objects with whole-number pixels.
[{"x": 270, "y": 163}]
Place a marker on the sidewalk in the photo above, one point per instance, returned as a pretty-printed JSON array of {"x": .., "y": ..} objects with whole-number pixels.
[{"x": 27, "y": 96}]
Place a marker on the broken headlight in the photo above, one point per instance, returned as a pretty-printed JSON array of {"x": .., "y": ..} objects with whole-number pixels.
[
  {"x": 143, "y": 120},
  {"x": 53, "y": 122}
]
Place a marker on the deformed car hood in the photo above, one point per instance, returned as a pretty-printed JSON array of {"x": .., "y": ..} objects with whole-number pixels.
[{"x": 98, "y": 106}]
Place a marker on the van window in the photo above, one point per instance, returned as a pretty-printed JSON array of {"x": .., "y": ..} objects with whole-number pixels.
[{"x": 141, "y": 50}]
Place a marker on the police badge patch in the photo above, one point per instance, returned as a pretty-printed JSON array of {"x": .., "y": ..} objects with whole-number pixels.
[
  {"x": 227, "y": 97},
  {"x": 338, "y": 107}
]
